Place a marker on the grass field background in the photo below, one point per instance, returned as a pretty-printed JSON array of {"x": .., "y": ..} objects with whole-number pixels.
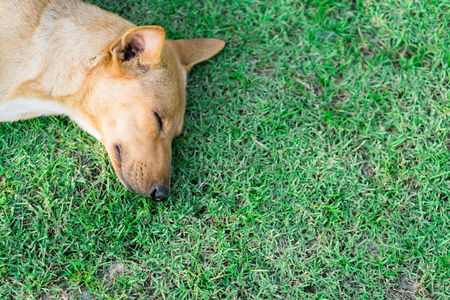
[{"x": 314, "y": 164}]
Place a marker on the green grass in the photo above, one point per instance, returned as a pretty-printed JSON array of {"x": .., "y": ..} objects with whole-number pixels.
[{"x": 314, "y": 164}]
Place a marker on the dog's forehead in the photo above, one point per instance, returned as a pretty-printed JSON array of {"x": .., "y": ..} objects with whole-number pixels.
[{"x": 160, "y": 87}]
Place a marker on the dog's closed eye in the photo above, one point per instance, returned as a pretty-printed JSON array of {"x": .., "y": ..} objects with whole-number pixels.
[{"x": 160, "y": 123}]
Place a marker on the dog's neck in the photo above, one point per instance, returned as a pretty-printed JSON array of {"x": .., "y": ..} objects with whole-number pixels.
[
  {"x": 46, "y": 61},
  {"x": 67, "y": 41}
]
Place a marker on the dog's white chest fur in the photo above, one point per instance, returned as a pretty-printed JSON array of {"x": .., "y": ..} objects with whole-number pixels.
[{"x": 27, "y": 108}]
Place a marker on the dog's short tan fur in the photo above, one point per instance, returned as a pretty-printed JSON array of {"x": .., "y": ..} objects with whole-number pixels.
[{"x": 123, "y": 84}]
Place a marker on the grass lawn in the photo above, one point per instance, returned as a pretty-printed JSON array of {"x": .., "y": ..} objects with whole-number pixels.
[{"x": 314, "y": 164}]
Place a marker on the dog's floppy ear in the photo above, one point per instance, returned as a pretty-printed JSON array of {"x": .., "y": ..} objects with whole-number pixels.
[
  {"x": 144, "y": 43},
  {"x": 192, "y": 52}
]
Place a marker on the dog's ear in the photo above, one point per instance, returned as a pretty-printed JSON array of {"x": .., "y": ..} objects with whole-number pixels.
[
  {"x": 192, "y": 52},
  {"x": 144, "y": 43}
]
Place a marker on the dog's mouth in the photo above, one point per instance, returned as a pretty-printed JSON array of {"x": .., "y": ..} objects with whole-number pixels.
[
  {"x": 118, "y": 153},
  {"x": 125, "y": 182}
]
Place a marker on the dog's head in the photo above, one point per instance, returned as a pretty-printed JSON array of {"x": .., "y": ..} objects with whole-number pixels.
[{"x": 138, "y": 96}]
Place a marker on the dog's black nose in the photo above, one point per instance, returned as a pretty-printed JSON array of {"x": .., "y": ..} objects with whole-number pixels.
[{"x": 159, "y": 193}]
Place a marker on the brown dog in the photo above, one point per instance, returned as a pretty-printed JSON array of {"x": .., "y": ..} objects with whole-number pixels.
[{"x": 123, "y": 84}]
